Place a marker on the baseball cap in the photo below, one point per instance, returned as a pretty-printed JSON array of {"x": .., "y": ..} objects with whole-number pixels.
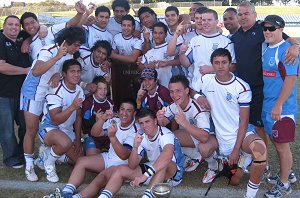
[
  {"x": 149, "y": 74},
  {"x": 274, "y": 20}
]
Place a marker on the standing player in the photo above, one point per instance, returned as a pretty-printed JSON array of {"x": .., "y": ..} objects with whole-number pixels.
[
  {"x": 60, "y": 128},
  {"x": 204, "y": 44},
  {"x": 231, "y": 22},
  {"x": 164, "y": 154},
  {"x": 193, "y": 121},
  {"x": 157, "y": 58},
  {"x": 94, "y": 63},
  {"x": 229, "y": 97},
  {"x": 98, "y": 30},
  {"x": 48, "y": 64},
  {"x": 193, "y": 9},
  {"x": 91, "y": 105},
  {"x": 120, "y": 9},
  {"x": 30, "y": 24},
  {"x": 280, "y": 107}
]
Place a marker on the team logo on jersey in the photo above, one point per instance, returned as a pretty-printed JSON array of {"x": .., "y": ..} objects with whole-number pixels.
[
  {"x": 253, "y": 33},
  {"x": 8, "y": 44},
  {"x": 192, "y": 121},
  {"x": 215, "y": 46},
  {"x": 228, "y": 97},
  {"x": 272, "y": 61}
]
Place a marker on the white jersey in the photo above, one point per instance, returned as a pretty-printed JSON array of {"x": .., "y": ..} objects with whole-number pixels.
[
  {"x": 115, "y": 27},
  {"x": 226, "y": 98},
  {"x": 37, "y": 43},
  {"x": 159, "y": 53},
  {"x": 93, "y": 33},
  {"x": 125, "y": 46},
  {"x": 125, "y": 135},
  {"x": 61, "y": 97},
  {"x": 200, "y": 49},
  {"x": 154, "y": 147},
  {"x": 89, "y": 69},
  {"x": 35, "y": 87},
  {"x": 193, "y": 113}
]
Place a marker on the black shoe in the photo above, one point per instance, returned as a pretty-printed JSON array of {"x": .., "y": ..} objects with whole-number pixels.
[{"x": 17, "y": 165}]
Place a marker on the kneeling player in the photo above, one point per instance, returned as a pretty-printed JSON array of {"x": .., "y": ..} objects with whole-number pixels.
[
  {"x": 63, "y": 111},
  {"x": 164, "y": 154},
  {"x": 229, "y": 98}
]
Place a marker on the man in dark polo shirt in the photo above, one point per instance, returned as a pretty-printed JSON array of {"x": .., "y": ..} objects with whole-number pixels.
[
  {"x": 248, "y": 46},
  {"x": 14, "y": 66}
]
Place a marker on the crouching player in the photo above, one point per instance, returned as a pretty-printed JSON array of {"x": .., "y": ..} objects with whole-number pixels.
[
  {"x": 63, "y": 110},
  {"x": 229, "y": 97},
  {"x": 164, "y": 154}
]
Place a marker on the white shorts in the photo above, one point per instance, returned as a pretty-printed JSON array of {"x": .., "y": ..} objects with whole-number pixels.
[
  {"x": 111, "y": 161},
  {"x": 42, "y": 133},
  {"x": 31, "y": 106}
]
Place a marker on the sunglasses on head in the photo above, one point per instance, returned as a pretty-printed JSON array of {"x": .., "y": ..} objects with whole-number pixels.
[{"x": 271, "y": 28}]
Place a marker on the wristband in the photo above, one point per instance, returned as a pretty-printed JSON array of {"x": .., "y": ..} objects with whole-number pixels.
[{"x": 196, "y": 96}]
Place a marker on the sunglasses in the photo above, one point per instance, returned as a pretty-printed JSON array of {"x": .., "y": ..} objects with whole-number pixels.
[{"x": 271, "y": 28}]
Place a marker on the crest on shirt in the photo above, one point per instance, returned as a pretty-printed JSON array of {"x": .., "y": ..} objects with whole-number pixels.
[
  {"x": 215, "y": 46},
  {"x": 8, "y": 44},
  {"x": 228, "y": 96},
  {"x": 272, "y": 61}
]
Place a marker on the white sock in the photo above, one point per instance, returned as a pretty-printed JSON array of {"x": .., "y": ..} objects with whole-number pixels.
[
  {"x": 69, "y": 189},
  {"x": 148, "y": 194},
  {"x": 105, "y": 194},
  {"x": 211, "y": 162},
  {"x": 286, "y": 185},
  {"x": 51, "y": 157},
  {"x": 63, "y": 159},
  {"x": 29, "y": 160},
  {"x": 252, "y": 189}
]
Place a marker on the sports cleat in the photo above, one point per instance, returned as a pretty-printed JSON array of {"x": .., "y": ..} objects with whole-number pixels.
[
  {"x": 278, "y": 190},
  {"x": 191, "y": 164},
  {"x": 209, "y": 176},
  {"x": 275, "y": 178},
  {"x": 56, "y": 194},
  {"x": 39, "y": 162},
  {"x": 30, "y": 174},
  {"x": 51, "y": 173}
]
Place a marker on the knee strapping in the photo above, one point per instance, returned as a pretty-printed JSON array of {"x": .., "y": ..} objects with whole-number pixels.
[{"x": 259, "y": 152}]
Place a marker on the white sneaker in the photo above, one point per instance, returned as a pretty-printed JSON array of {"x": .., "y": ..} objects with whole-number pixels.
[
  {"x": 190, "y": 164},
  {"x": 173, "y": 183},
  {"x": 30, "y": 174},
  {"x": 209, "y": 176},
  {"x": 51, "y": 173},
  {"x": 39, "y": 162}
]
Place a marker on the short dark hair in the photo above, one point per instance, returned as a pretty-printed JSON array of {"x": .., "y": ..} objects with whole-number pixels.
[
  {"x": 144, "y": 112},
  {"x": 198, "y": 4},
  {"x": 220, "y": 52},
  {"x": 129, "y": 101},
  {"x": 103, "y": 44},
  {"x": 128, "y": 18},
  {"x": 212, "y": 12},
  {"x": 161, "y": 24},
  {"x": 120, "y": 3},
  {"x": 68, "y": 63},
  {"x": 180, "y": 78},
  {"x": 71, "y": 35},
  {"x": 10, "y": 16},
  {"x": 26, "y": 15},
  {"x": 172, "y": 8},
  {"x": 144, "y": 9},
  {"x": 102, "y": 9},
  {"x": 100, "y": 79},
  {"x": 230, "y": 9},
  {"x": 201, "y": 9}
]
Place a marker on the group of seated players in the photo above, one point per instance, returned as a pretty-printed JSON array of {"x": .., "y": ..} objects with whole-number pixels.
[{"x": 182, "y": 103}]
